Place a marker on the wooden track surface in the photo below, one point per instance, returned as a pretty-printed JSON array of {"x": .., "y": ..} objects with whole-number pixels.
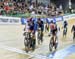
[{"x": 12, "y": 36}]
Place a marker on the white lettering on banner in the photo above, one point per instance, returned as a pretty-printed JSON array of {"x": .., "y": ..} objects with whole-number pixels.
[
  {"x": 16, "y": 20},
  {"x": 3, "y": 20},
  {"x": 9, "y": 20},
  {"x": 42, "y": 19},
  {"x": 49, "y": 19},
  {"x": 66, "y": 17},
  {"x": 58, "y": 19}
]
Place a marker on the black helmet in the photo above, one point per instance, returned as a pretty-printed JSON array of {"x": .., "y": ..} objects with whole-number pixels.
[
  {"x": 39, "y": 19},
  {"x": 65, "y": 21},
  {"x": 51, "y": 21}
]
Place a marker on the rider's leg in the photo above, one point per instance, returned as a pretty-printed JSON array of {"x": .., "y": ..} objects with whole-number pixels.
[
  {"x": 73, "y": 35},
  {"x": 30, "y": 39},
  {"x": 50, "y": 32},
  {"x": 51, "y": 44},
  {"x": 64, "y": 32},
  {"x": 33, "y": 43},
  {"x": 41, "y": 36},
  {"x": 55, "y": 40},
  {"x": 38, "y": 38}
]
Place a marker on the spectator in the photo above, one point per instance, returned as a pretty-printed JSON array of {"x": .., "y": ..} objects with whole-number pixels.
[{"x": 23, "y": 8}]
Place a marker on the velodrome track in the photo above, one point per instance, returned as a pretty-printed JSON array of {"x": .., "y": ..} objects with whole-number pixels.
[{"x": 12, "y": 44}]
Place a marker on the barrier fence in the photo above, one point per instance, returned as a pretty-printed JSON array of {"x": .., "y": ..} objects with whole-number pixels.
[{"x": 17, "y": 20}]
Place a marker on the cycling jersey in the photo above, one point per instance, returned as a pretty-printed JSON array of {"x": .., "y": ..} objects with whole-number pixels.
[
  {"x": 52, "y": 26},
  {"x": 31, "y": 27},
  {"x": 40, "y": 25}
]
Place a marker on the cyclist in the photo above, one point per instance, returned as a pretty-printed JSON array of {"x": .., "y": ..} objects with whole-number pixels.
[
  {"x": 30, "y": 29},
  {"x": 27, "y": 36},
  {"x": 73, "y": 30},
  {"x": 40, "y": 25},
  {"x": 65, "y": 28},
  {"x": 53, "y": 41}
]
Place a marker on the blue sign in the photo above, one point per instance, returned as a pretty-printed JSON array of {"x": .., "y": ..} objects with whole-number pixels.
[
  {"x": 60, "y": 18},
  {"x": 48, "y": 20},
  {"x": 23, "y": 21}
]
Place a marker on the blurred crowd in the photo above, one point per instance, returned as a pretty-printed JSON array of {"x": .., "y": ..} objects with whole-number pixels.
[{"x": 14, "y": 8}]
